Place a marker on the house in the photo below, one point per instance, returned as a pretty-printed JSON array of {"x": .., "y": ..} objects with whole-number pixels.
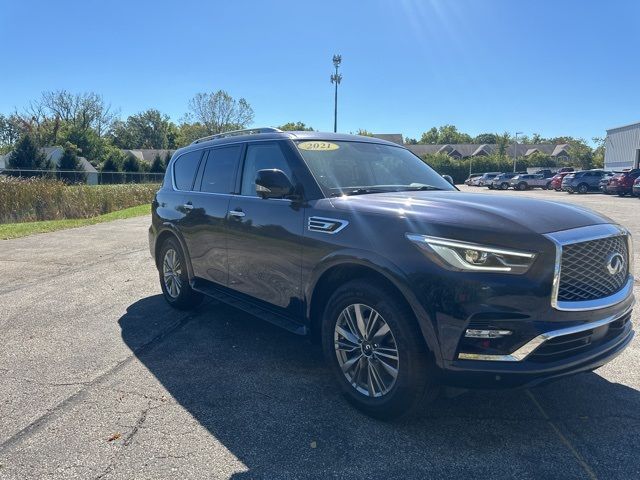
[
  {"x": 466, "y": 150},
  {"x": 54, "y": 154},
  {"x": 622, "y": 147},
  {"x": 147, "y": 155}
]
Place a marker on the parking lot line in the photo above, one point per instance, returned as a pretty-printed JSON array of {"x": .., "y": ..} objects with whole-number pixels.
[{"x": 585, "y": 466}]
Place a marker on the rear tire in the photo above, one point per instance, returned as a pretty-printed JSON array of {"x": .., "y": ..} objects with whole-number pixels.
[
  {"x": 363, "y": 354},
  {"x": 504, "y": 186},
  {"x": 583, "y": 188},
  {"x": 522, "y": 186},
  {"x": 174, "y": 279}
]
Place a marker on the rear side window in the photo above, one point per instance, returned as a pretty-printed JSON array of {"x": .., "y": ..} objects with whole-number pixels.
[
  {"x": 220, "y": 172},
  {"x": 184, "y": 169}
]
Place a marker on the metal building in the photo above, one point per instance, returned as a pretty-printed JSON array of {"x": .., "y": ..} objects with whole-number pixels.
[{"x": 622, "y": 147}]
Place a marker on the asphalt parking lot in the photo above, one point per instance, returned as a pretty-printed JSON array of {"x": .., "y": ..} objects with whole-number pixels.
[{"x": 100, "y": 379}]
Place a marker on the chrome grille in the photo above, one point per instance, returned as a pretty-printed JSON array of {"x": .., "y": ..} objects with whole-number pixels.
[{"x": 584, "y": 274}]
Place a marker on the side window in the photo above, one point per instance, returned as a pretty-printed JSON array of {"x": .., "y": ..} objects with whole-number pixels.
[
  {"x": 184, "y": 169},
  {"x": 220, "y": 171},
  {"x": 261, "y": 156}
]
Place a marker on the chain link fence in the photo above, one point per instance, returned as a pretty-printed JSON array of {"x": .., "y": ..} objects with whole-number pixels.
[{"x": 90, "y": 178}]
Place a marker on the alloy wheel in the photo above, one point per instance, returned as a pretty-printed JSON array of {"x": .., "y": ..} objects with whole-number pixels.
[
  {"x": 366, "y": 350},
  {"x": 171, "y": 271}
]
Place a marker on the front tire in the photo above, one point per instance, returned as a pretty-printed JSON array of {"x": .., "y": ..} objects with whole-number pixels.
[
  {"x": 174, "y": 279},
  {"x": 583, "y": 188},
  {"x": 375, "y": 349},
  {"x": 504, "y": 186},
  {"x": 522, "y": 186}
]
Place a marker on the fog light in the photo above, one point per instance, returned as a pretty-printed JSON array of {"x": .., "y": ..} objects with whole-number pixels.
[
  {"x": 475, "y": 256},
  {"x": 472, "y": 333}
]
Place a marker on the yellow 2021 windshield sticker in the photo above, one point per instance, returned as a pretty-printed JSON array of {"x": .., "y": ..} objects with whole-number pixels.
[{"x": 318, "y": 146}]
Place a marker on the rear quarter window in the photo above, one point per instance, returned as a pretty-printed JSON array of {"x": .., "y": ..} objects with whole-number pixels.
[{"x": 185, "y": 168}]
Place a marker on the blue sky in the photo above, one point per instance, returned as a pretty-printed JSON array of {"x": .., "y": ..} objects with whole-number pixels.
[{"x": 555, "y": 67}]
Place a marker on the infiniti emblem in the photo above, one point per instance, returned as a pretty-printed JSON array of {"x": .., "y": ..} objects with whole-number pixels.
[{"x": 615, "y": 263}]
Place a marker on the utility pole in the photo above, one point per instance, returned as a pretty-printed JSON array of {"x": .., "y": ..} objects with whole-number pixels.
[
  {"x": 336, "y": 78},
  {"x": 515, "y": 151}
]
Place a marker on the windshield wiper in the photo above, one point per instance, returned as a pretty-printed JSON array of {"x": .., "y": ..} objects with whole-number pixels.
[
  {"x": 420, "y": 187},
  {"x": 362, "y": 191}
]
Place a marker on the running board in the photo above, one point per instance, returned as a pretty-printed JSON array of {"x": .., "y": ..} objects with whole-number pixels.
[{"x": 280, "y": 320}]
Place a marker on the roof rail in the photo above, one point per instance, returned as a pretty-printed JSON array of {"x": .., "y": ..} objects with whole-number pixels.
[{"x": 233, "y": 133}]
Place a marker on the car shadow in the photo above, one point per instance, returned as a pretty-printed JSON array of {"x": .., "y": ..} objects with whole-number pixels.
[{"x": 267, "y": 397}]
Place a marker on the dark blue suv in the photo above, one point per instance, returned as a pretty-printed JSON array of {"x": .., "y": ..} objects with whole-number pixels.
[{"x": 406, "y": 282}]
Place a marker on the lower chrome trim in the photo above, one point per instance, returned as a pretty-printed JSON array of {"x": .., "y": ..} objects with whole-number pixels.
[{"x": 528, "y": 348}]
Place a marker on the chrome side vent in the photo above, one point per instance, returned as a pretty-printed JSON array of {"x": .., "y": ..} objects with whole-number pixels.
[{"x": 326, "y": 225}]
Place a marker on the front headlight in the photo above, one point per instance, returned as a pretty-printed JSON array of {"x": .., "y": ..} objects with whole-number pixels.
[{"x": 472, "y": 257}]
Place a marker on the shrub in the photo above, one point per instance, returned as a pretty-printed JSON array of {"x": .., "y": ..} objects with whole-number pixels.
[
  {"x": 25, "y": 200},
  {"x": 28, "y": 156}
]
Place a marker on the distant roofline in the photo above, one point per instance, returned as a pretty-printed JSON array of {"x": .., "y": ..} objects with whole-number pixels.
[{"x": 622, "y": 126}]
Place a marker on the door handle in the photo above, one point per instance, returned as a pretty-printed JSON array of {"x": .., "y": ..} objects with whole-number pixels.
[
  {"x": 236, "y": 213},
  {"x": 187, "y": 206}
]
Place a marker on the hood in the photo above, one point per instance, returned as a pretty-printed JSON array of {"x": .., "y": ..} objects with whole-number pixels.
[{"x": 475, "y": 211}]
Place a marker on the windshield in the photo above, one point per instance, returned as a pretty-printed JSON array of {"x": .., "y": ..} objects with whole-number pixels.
[{"x": 357, "y": 168}]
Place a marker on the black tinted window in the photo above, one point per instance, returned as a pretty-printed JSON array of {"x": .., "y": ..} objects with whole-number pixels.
[
  {"x": 220, "y": 171},
  {"x": 184, "y": 170},
  {"x": 260, "y": 157}
]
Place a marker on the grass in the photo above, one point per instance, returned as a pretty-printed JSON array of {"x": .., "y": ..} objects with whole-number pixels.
[{"x": 15, "y": 230}]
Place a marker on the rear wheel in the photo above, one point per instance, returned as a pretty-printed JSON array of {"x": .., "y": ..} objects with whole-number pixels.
[
  {"x": 583, "y": 188},
  {"x": 504, "y": 186},
  {"x": 522, "y": 186},
  {"x": 374, "y": 347},
  {"x": 547, "y": 186},
  {"x": 174, "y": 279}
]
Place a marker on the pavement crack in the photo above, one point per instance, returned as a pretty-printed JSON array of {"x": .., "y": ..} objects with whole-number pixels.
[
  {"x": 576, "y": 455},
  {"x": 81, "y": 394}
]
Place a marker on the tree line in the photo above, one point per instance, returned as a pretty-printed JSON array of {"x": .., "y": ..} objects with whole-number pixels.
[{"x": 86, "y": 125}]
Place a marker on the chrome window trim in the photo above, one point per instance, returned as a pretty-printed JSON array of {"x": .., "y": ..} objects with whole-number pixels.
[
  {"x": 528, "y": 348},
  {"x": 586, "y": 234},
  {"x": 174, "y": 159}
]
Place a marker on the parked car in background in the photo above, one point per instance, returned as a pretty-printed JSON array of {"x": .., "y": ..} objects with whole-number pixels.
[
  {"x": 556, "y": 180},
  {"x": 622, "y": 183},
  {"x": 486, "y": 178},
  {"x": 605, "y": 181},
  {"x": 472, "y": 177},
  {"x": 501, "y": 182},
  {"x": 527, "y": 181},
  {"x": 583, "y": 181},
  {"x": 635, "y": 190},
  {"x": 546, "y": 172}
]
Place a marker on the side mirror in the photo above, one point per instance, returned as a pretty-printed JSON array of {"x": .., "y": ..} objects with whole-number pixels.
[
  {"x": 448, "y": 178},
  {"x": 273, "y": 183}
]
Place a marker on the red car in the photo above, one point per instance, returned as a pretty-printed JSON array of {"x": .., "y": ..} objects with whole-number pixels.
[
  {"x": 556, "y": 181},
  {"x": 622, "y": 183}
]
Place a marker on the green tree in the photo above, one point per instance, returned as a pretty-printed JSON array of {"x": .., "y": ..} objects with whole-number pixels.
[
  {"x": 430, "y": 137},
  {"x": 157, "y": 166},
  {"x": 148, "y": 129},
  {"x": 502, "y": 142},
  {"x": 70, "y": 162},
  {"x": 220, "y": 112},
  {"x": 489, "y": 138},
  {"x": 296, "y": 127},
  {"x": 364, "y": 133},
  {"x": 112, "y": 166},
  {"x": 410, "y": 141},
  {"x": 28, "y": 156},
  {"x": 580, "y": 152},
  {"x": 11, "y": 128}
]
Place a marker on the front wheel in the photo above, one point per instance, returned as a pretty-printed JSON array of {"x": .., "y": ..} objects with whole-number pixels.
[
  {"x": 174, "y": 279},
  {"x": 375, "y": 349},
  {"x": 504, "y": 186},
  {"x": 522, "y": 186},
  {"x": 583, "y": 188}
]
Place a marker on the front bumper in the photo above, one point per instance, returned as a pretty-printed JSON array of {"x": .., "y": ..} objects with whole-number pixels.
[{"x": 548, "y": 356}]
